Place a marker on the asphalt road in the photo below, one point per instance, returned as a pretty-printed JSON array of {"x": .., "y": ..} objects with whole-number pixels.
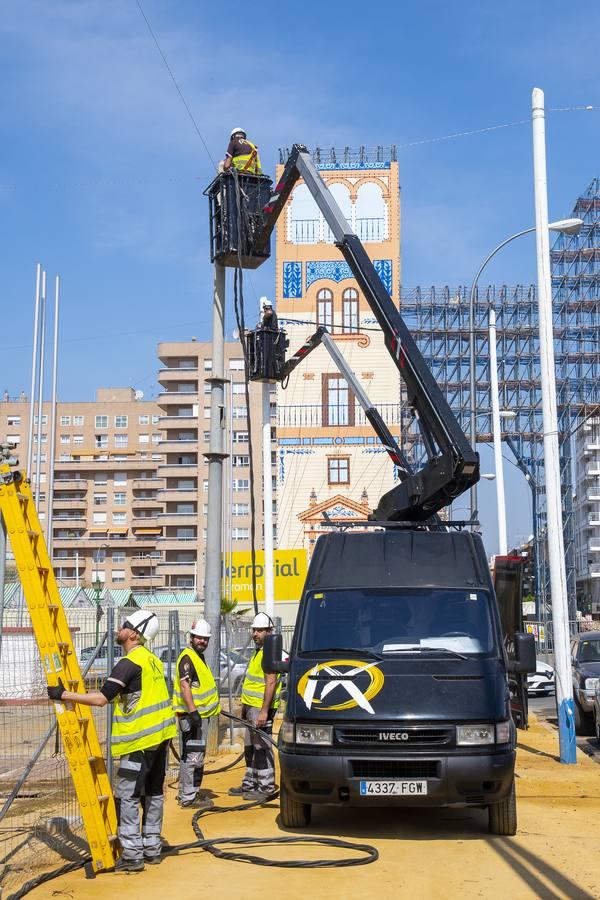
[{"x": 545, "y": 707}]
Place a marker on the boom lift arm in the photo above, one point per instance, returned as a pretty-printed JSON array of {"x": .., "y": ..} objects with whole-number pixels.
[{"x": 452, "y": 465}]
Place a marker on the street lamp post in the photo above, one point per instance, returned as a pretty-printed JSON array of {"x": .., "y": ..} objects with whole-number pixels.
[{"x": 564, "y": 226}]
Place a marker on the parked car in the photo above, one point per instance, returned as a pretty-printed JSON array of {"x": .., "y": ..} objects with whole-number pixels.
[
  {"x": 97, "y": 671},
  {"x": 541, "y": 681},
  {"x": 238, "y": 663},
  {"x": 585, "y": 661}
]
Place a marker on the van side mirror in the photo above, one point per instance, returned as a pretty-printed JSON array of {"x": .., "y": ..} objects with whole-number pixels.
[
  {"x": 272, "y": 661},
  {"x": 525, "y": 655}
]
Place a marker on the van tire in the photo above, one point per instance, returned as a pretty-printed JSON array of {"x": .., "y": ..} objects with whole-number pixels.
[
  {"x": 583, "y": 722},
  {"x": 503, "y": 815},
  {"x": 293, "y": 813}
]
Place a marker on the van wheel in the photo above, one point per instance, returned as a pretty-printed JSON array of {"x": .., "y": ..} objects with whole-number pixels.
[
  {"x": 583, "y": 723},
  {"x": 503, "y": 815},
  {"x": 293, "y": 813}
]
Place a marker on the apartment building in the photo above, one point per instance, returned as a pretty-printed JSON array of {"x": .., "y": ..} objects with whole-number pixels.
[
  {"x": 587, "y": 516},
  {"x": 130, "y": 478}
]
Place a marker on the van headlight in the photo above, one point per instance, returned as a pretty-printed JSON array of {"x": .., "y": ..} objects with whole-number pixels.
[
  {"x": 317, "y": 735},
  {"x": 287, "y": 732},
  {"x": 591, "y": 684},
  {"x": 502, "y": 732},
  {"x": 474, "y": 735}
]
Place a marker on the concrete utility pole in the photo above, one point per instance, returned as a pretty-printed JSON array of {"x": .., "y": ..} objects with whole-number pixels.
[
  {"x": 497, "y": 433},
  {"x": 267, "y": 500},
  {"x": 215, "y": 457},
  {"x": 52, "y": 444},
  {"x": 556, "y": 550}
]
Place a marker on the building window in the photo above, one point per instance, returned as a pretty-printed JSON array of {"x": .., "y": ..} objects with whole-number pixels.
[
  {"x": 338, "y": 401},
  {"x": 120, "y": 478},
  {"x": 64, "y": 457},
  {"x": 240, "y": 412},
  {"x": 65, "y": 420},
  {"x": 208, "y": 365},
  {"x": 155, "y": 420},
  {"x": 325, "y": 308},
  {"x": 101, "y": 421},
  {"x": 78, "y": 439},
  {"x": 241, "y": 484},
  {"x": 119, "y": 518},
  {"x": 207, "y": 412},
  {"x": 205, "y": 485},
  {"x": 13, "y": 438},
  {"x": 240, "y": 534},
  {"x": 241, "y": 509},
  {"x": 144, "y": 438},
  {"x": 121, "y": 440},
  {"x": 13, "y": 420},
  {"x": 99, "y": 518},
  {"x": 118, "y": 556},
  {"x": 100, "y": 478},
  {"x": 143, "y": 420},
  {"x": 338, "y": 470},
  {"x": 240, "y": 437},
  {"x": 99, "y": 555},
  {"x": 238, "y": 387},
  {"x": 99, "y": 499},
  {"x": 156, "y": 438},
  {"x": 240, "y": 461},
  {"x": 118, "y": 575},
  {"x": 77, "y": 420},
  {"x": 120, "y": 421},
  {"x": 44, "y": 420},
  {"x": 119, "y": 498},
  {"x": 350, "y": 311},
  {"x": 101, "y": 441},
  {"x": 236, "y": 365},
  {"x": 65, "y": 438}
]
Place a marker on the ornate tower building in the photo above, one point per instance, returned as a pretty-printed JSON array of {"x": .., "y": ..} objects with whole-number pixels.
[{"x": 328, "y": 459}]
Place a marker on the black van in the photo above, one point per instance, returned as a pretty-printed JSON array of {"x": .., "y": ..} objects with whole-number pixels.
[{"x": 397, "y": 686}]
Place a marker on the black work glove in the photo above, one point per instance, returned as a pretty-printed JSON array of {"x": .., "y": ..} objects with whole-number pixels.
[
  {"x": 195, "y": 719},
  {"x": 56, "y": 693}
]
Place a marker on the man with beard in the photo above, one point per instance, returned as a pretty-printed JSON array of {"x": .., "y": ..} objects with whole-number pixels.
[{"x": 143, "y": 725}]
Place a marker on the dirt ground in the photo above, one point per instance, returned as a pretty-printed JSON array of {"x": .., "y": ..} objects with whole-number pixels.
[{"x": 427, "y": 853}]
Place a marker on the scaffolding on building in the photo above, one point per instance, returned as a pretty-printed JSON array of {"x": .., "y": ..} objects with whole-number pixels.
[{"x": 439, "y": 321}]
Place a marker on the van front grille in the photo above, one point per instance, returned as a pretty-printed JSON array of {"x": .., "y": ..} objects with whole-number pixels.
[{"x": 394, "y": 737}]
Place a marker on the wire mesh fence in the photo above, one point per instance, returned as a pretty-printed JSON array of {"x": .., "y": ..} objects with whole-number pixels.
[{"x": 40, "y": 822}]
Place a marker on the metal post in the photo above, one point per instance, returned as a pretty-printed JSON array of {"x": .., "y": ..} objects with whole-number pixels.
[
  {"x": 472, "y": 400},
  {"x": 110, "y": 661},
  {"x": 77, "y": 569},
  {"x": 2, "y": 575},
  {"x": 34, "y": 358},
  {"x": 229, "y": 690},
  {"x": 267, "y": 499},
  {"x": 51, "y": 446},
  {"x": 497, "y": 435},
  {"x": 215, "y": 457},
  {"x": 556, "y": 550},
  {"x": 40, "y": 398}
]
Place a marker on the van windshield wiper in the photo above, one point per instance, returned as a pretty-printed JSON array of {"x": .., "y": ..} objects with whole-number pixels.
[
  {"x": 358, "y": 650},
  {"x": 419, "y": 648}
]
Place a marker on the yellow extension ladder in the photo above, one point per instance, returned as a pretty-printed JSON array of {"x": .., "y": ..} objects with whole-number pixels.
[{"x": 76, "y": 723}]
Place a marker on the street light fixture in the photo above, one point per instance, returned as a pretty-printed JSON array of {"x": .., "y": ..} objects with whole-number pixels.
[{"x": 563, "y": 226}]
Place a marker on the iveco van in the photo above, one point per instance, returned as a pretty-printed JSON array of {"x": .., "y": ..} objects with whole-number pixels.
[{"x": 397, "y": 686}]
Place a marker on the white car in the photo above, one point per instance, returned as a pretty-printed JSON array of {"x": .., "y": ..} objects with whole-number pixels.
[{"x": 542, "y": 680}]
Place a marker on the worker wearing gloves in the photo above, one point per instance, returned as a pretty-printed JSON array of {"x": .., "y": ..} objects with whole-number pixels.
[
  {"x": 195, "y": 699},
  {"x": 143, "y": 725},
  {"x": 260, "y": 699},
  {"x": 242, "y": 154}
]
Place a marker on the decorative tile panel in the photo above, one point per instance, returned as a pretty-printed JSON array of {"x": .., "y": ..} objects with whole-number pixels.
[
  {"x": 292, "y": 280},
  {"x": 383, "y": 267},
  {"x": 334, "y": 270}
]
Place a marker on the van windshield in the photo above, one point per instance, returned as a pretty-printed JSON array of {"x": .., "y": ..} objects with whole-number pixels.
[{"x": 398, "y": 621}]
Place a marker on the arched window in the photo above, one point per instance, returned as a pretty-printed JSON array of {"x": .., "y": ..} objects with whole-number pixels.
[
  {"x": 371, "y": 213},
  {"x": 325, "y": 308},
  {"x": 350, "y": 311},
  {"x": 341, "y": 195},
  {"x": 304, "y": 223}
]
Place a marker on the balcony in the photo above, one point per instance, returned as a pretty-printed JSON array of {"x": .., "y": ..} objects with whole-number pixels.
[
  {"x": 171, "y": 376},
  {"x": 149, "y": 483},
  {"x": 69, "y": 521},
  {"x": 184, "y": 421},
  {"x": 116, "y": 542},
  {"x": 595, "y": 570},
  {"x": 172, "y": 445},
  {"x": 146, "y": 503},
  {"x": 174, "y": 543},
  {"x": 69, "y": 503},
  {"x": 71, "y": 484},
  {"x": 174, "y": 494},
  {"x": 311, "y": 415},
  {"x": 178, "y": 519},
  {"x": 146, "y": 581},
  {"x": 107, "y": 465},
  {"x": 181, "y": 397},
  {"x": 175, "y": 469},
  {"x": 176, "y": 567}
]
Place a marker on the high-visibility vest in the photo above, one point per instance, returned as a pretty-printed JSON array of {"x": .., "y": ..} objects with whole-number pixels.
[
  {"x": 253, "y": 689},
  {"x": 248, "y": 162},
  {"x": 151, "y": 721},
  {"x": 204, "y": 694}
]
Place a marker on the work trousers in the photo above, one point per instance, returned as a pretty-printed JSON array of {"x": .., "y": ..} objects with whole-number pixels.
[
  {"x": 259, "y": 755},
  {"x": 140, "y": 781},
  {"x": 191, "y": 765}
]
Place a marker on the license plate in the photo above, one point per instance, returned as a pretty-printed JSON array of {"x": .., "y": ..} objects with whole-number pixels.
[{"x": 392, "y": 788}]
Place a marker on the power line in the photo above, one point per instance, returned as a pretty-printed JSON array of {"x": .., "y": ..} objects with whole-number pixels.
[{"x": 178, "y": 89}]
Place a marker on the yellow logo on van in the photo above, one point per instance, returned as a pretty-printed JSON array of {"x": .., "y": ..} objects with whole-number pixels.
[{"x": 360, "y": 680}]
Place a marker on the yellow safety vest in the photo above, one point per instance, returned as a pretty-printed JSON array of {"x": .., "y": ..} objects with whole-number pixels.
[
  {"x": 204, "y": 694},
  {"x": 151, "y": 721},
  {"x": 253, "y": 689},
  {"x": 249, "y": 163}
]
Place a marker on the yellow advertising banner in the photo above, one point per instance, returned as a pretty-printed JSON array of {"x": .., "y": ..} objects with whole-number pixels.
[{"x": 289, "y": 576}]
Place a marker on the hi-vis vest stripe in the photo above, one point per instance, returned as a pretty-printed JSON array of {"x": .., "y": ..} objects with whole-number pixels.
[
  {"x": 204, "y": 694},
  {"x": 151, "y": 721},
  {"x": 253, "y": 689},
  {"x": 248, "y": 162}
]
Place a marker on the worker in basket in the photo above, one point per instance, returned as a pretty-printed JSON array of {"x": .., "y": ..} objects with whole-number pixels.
[
  {"x": 143, "y": 726},
  {"x": 260, "y": 700},
  {"x": 195, "y": 699},
  {"x": 242, "y": 154}
]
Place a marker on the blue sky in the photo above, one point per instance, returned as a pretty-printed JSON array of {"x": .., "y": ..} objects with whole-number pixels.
[{"x": 102, "y": 172}]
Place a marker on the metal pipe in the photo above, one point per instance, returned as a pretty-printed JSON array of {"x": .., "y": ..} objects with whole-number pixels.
[
  {"x": 267, "y": 501},
  {"x": 52, "y": 445},
  {"x": 497, "y": 436},
  {"x": 110, "y": 661},
  {"x": 34, "y": 359},
  {"x": 2, "y": 575},
  {"x": 40, "y": 397},
  {"x": 556, "y": 549}
]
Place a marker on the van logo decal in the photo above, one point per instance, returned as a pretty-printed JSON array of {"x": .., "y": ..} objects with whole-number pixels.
[
  {"x": 360, "y": 680},
  {"x": 393, "y": 735}
]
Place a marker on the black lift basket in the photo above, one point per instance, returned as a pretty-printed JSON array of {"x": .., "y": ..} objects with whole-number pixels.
[
  {"x": 254, "y": 194},
  {"x": 266, "y": 354}
]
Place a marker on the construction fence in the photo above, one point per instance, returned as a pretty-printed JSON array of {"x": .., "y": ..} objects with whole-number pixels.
[{"x": 40, "y": 823}]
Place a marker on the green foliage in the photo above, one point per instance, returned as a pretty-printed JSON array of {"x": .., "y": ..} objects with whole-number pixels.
[{"x": 230, "y": 608}]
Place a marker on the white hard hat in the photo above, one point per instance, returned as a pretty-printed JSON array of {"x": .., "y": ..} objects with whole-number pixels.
[
  {"x": 264, "y": 301},
  {"x": 144, "y": 622},
  {"x": 262, "y": 620},
  {"x": 238, "y": 131},
  {"x": 201, "y": 628}
]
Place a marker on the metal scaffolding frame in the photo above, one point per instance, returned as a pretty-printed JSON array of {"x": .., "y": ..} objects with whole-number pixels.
[{"x": 439, "y": 320}]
